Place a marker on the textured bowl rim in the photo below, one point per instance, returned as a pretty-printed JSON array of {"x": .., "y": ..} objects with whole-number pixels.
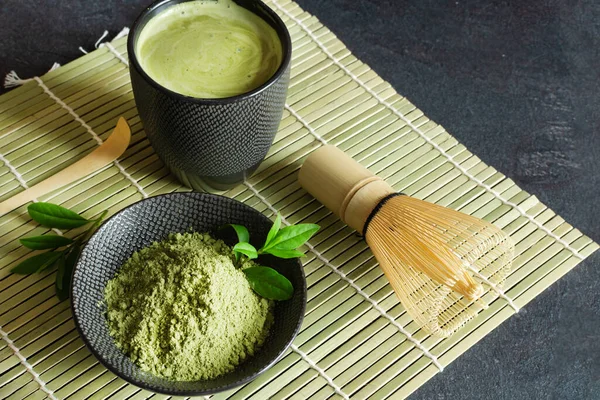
[
  {"x": 142, "y": 385},
  {"x": 282, "y": 33}
]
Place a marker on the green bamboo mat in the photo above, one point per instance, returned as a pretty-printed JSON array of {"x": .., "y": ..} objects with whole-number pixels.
[{"x": 356, "y": 341}]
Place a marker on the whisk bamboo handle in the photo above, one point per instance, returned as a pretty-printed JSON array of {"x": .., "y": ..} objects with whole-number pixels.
[{"x": 343, "y": 185}]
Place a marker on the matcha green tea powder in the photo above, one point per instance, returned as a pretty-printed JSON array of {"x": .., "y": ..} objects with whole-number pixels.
[{"x": 181, "y": 309}]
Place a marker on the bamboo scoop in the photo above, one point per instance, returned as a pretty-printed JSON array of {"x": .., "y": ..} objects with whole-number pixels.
[
  {"x": 103, "y": 155},
  {"x": 428, "y": 252}
]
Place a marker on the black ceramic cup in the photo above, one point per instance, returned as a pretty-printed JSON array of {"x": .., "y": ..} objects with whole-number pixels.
[{"x": 211, "y": 144}]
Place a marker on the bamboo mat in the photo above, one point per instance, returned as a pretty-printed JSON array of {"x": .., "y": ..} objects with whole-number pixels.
[{"x": 356, "y": 341}]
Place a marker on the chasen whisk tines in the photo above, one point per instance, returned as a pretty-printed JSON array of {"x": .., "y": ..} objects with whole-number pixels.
[{"x": 428, "y": 252}]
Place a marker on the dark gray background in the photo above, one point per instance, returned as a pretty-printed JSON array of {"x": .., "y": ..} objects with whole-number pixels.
[{"x": 516, "y": 82}]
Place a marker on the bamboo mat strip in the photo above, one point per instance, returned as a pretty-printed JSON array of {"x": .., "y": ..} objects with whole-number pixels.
[
  {"x": 28, "y": 367},
  {"x": 348, "y": 345},
  {"x": 90, "y": 131}
]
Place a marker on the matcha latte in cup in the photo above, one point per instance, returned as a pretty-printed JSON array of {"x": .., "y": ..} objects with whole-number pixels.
[{"x": 210, "y": 79}]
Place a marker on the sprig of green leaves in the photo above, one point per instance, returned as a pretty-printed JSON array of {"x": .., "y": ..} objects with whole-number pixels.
[
  {"x": 284, "y": 243},
  {"x": 63, "y": 252},
  {"x": 281, "y": 243},
  {"x": 54, "y": 216},
  {"x": 269, "y": 283}
]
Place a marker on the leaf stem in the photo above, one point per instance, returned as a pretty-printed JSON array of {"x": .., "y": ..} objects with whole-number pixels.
[{"x": 95, "y": 224}]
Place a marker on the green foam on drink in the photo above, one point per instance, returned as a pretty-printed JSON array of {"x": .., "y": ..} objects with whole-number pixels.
[{"x": 209, "y": 49}]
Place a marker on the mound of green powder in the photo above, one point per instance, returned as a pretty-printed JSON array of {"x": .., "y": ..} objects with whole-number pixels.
[{"x": 181, "y": 310}]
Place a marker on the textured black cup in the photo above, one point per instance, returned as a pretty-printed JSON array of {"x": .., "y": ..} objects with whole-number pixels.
[
  {"x": 211, "y": 143},
  {"x": 153, "y": 219}
]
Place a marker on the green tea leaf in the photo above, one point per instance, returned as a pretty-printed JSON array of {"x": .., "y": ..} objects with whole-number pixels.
[
  {"x": 60, "y": 273},
  {"x": 52, "y": 263},
  {"x": 247, "y": 249},
  {"x": 73, "y": 256},
  {"x": 291, "y": 237},
  {"x": 55, "y": 216},
  {"x": 284, "y": 253},
  {"x": 241, "y": 231},
  {"x": 37, "y": 263},
  {"x": 274, "y": 230},
  {"x": 70, "y": 262},
  {"x": 269, "y": 283},
  {"x": 45, "y": 242}
]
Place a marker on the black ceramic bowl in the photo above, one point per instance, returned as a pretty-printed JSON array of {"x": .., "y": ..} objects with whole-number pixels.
[
  {"x": 153, "y": 219},
  {"x": 211, "y": 143}
]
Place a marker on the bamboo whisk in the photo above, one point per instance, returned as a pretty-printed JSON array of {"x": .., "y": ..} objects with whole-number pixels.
[{"x": 434, "y": 257}]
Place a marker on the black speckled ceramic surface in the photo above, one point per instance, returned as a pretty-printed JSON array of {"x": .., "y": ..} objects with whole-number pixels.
[{"x": 153, "y": 219}]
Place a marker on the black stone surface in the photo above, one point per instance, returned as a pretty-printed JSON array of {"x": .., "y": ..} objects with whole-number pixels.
[{"x": 518, "y": 82}]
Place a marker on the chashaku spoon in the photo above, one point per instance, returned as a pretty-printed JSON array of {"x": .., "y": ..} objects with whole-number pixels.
[{"x": 106, "y": 153}]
